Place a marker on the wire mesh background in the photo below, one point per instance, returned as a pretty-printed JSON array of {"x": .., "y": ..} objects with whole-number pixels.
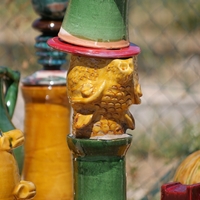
[{"x": 167, "y": 120}]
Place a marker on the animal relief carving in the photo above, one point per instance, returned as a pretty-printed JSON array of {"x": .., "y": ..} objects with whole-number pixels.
[{"x": 100, "y": 91}]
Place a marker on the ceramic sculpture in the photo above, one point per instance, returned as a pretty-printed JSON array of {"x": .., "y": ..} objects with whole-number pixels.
[
  {"x": 102, "y": 83},
  {"x": 100, "y": 92},
  {"x": 12, "y": 187}
]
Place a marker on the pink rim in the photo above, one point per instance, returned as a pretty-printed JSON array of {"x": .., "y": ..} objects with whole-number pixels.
[
  {"x": 67, "y": 37},
  {"x": 126, "y": 52}
]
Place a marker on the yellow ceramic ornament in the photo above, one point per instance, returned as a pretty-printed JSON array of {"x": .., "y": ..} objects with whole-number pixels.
[
  {"x": 12, "y": 188},
  {"x": 100, "y": 91},
  {"x": 188, "y": 171}
]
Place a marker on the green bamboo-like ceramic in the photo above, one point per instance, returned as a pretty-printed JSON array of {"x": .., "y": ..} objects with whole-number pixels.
[
  {"x": 102, "y": 21},
  {"x": 9, "y": 81},
  {"x": 99, "y": 168}
]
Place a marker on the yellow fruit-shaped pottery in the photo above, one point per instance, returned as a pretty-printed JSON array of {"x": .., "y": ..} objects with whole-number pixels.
[
  {"x": 188, "y": 171},
  {"x": 12, "y": 188}
]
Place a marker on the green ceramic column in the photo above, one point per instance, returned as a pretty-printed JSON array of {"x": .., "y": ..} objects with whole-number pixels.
[{"x": 99, "y": 168}]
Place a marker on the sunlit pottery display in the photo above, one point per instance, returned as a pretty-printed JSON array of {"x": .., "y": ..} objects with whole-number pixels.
[
  {"x": 12, "y": 187},
  {"x": 9, "y": 81},
  {"x": 102, "y": 83}
]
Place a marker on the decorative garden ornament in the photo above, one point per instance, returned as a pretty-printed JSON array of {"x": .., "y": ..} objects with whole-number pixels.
[
  {"x": 100, "y": 91},
  {"x": 12, "y": 188},
  {"x": 102, "y": 83},
  {"x": 9, "y": 81},
  {"x": 96, "y": 24}
]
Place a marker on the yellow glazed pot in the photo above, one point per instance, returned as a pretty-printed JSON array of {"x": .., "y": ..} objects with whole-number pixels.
[
  {"x": 188, "y": 171},
  {"x": 47, "y": 159}
]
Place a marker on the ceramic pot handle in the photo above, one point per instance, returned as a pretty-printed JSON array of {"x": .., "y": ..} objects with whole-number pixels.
[
  {"x": 10, "y": 79},
  {"x": 24, "y": 190}
]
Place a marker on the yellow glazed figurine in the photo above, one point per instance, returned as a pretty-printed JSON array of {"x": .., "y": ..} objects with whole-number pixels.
[
  {"x": 100, "y": 91},
  {"x": 12, "y": 188}
]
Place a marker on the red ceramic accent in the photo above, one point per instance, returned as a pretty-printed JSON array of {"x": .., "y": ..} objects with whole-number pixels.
[
  {"x": 177, "y": 191},
  {"x": 126, "y": 52}
]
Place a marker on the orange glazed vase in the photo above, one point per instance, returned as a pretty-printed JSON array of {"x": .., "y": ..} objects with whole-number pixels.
[{"x": 47, "y": 160}]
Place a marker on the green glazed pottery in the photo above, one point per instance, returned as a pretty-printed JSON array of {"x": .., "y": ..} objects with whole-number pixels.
[
  {"x": 99, "y": 168},
  {"x": 9, "y": 81},
  {"x": 96, "y": 23}
]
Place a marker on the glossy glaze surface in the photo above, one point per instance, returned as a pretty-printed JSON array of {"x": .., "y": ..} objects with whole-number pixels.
[
  {"x": 178, "y": 191},
  {"x": 126, "y": 52},
  {"x": 99, "y": 168},
  {"x": 101, "y": 91},
  {"x": 12, "y": 188},
  {"x": 188, "y": 171},
  {"x": 101, "y": 21},
  {"x": 47, "y": 158}
]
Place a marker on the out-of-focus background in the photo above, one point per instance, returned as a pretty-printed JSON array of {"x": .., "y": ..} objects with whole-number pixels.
[{"x": 168, "y": 119}]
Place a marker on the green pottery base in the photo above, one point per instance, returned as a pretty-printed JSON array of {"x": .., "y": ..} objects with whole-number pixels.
[{"x": 99, "y": 168}]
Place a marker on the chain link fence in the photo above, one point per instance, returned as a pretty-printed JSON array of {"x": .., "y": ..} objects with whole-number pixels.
[{"x": 167, "y": 120}]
